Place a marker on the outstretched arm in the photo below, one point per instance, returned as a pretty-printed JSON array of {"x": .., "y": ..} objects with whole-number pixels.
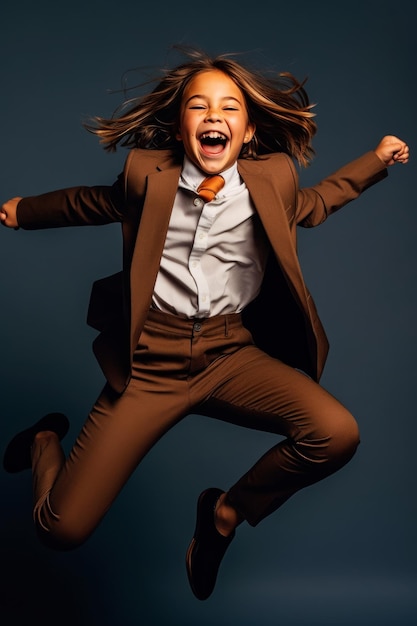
[
  {"x": 74, "y": 206},
  {"x": 316, "y": 203}
]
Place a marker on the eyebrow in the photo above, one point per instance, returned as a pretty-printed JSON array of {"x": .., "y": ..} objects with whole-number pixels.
[{"x": 203, "y": 97}]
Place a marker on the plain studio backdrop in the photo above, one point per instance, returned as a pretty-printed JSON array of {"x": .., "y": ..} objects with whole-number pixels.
[{"x": 342, "y": 552}]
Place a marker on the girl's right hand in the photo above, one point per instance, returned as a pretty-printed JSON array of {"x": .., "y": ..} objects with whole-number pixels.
[{"x": 8, "y": 213}]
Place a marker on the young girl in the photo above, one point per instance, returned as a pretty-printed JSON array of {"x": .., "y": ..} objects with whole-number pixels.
[{"x": 210, "y": 313}]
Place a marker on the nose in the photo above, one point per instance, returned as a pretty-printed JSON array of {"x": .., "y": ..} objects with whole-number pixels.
[{"x": 214, "y": 115}]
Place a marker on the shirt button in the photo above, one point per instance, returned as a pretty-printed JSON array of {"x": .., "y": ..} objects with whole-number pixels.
[
  {"x": 197, "y": 327},
  {"x": 197, "y": 201}
]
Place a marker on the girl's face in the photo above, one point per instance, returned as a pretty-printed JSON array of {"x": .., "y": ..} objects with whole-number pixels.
[{"x": 213, "y": 122}]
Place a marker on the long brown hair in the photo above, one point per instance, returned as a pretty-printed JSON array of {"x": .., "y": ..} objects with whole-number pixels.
[{"x": 277, "y": 105}]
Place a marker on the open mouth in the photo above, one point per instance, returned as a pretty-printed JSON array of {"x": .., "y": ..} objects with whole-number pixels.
[{"x": 213, "y": 142}]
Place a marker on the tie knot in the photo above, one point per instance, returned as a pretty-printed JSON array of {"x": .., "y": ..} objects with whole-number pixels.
[{"x": 210, "y": 187}]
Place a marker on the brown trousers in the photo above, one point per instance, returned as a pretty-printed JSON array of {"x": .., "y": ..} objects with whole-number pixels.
[{"x": 181, "y": 367}]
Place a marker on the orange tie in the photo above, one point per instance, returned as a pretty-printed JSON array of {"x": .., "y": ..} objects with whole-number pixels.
[{"x": 210, "y": 187}]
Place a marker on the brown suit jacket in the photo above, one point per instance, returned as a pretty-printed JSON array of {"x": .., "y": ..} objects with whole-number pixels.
[{"x": 283, "y": 318}]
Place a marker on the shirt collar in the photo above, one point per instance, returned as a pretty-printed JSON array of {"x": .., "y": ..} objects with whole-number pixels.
[{"x": 192, "y": 176}]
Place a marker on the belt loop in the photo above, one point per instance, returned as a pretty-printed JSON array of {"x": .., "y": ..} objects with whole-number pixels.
[{"x": 226, "y": 325}]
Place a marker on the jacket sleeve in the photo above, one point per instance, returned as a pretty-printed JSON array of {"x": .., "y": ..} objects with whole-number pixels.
[
  {"x": 315, "y": 204},
  {"x": 75, "y": 206}
]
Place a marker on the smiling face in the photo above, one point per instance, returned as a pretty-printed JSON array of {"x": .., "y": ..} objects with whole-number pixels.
[{"x": 213, "y": 123}]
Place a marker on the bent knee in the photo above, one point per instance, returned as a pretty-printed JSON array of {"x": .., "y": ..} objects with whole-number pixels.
[
  {"x": 55, "y": 531},
  {"x": 344, "y": 439},
  {"x": 333, "y": 443}
]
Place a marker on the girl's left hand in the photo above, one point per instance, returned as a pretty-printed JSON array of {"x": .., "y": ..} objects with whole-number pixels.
[{"x": 392, "y": 150}]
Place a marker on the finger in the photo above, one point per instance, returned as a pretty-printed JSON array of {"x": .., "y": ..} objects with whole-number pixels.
[
  {"x": 402, "y": 153},
  {"x": 400, "y": 158},
  {"x": 396, "y": 147}
]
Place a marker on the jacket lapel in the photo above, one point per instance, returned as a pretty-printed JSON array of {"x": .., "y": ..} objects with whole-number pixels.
[
  {"x": 160, "y": 195},
  {"x": 270, "y": 207}
]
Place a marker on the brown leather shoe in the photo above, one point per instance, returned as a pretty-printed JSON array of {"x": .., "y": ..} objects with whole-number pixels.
[
  {"x": 17, "y": 456},
  {"x": 207, "y": 547}
]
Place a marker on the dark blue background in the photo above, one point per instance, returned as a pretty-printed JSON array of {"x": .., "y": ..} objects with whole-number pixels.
[{"x": 344, "y": 551}]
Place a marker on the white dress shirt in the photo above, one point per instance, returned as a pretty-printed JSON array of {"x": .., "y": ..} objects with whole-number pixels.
[{"x": 215, "y": 253}]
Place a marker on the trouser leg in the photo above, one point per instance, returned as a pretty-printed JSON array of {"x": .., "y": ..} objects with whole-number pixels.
[
  {"x": 118, "y": 433},
  {"x": 320, "y": 434}
]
